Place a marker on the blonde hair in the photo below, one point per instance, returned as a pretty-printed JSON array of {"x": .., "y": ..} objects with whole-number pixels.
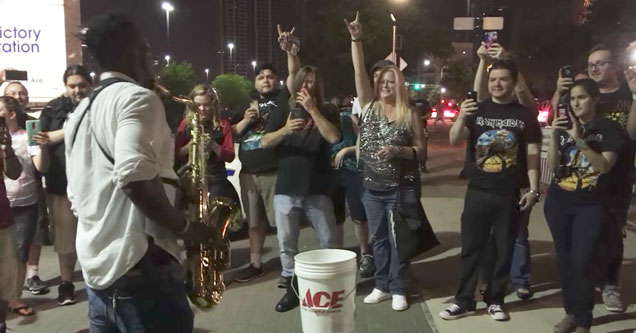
[
  {"x": 204, "y": 89},
  {"x": 404, "y": 112},
  {"x": 298, "y": 81}
]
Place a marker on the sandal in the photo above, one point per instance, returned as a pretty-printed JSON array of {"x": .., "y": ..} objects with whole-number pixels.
[{"x": 23, "y": 310}]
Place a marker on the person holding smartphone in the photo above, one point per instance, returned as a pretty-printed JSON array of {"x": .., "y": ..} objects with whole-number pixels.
[{"x": 583, "y": 152}]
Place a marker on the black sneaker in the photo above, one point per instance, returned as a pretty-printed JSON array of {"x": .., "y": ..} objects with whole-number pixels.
[
  {"x": 66, "y": 292},
  {"x": 249, "y": 273},
  {"x": 36, "y": 286},
  {"x": 455, "y": 312},
  {"x": 367, "y": 266},
  {"x": 524, "y": 292},
  {"x": 283, "y": 282}
]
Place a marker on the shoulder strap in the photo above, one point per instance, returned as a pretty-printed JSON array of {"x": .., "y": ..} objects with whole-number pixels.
[{"x": 91, "y": 99}]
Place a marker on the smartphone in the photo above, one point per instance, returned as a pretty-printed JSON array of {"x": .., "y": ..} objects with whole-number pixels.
[
  {"x": 472, "y": 95},
  {"x": 490, "y": 38},
  {"x": 567, "y": 72},
  {"x": 254, "y": 105},
  {"x": 13, "y": 75},
  {"x": 297, "y": 113},
  {"x": 33, "y": 127},
  {"x": 563, "y": 110}
]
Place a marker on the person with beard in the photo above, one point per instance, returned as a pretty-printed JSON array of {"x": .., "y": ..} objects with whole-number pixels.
[
  {"x": 77, "y": 82},
  {"x": 258, "y": 165}
]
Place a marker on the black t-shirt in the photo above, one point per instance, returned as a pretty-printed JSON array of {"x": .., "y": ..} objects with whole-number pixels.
[
  {"x": 616, "y": 105},
  {"x": 497, "y": 143},
  {"x": 52, "y": 118},
  {"x": 254, "y": 158},
  {"x": 304, "y": 164},
  {"x": 576, "y": 179}
]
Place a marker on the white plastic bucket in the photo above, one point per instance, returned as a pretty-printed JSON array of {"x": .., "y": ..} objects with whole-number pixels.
[{"x": 327, "y": 290}]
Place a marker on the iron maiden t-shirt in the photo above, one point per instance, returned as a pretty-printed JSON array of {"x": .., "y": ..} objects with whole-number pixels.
[{"x": 497, "y": 143}]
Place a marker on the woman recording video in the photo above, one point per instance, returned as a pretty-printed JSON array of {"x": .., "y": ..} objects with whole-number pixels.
[{"x": 583, "y": 153}]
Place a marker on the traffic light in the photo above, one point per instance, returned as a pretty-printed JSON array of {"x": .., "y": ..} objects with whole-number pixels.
[{"x": 417, "y": 87}]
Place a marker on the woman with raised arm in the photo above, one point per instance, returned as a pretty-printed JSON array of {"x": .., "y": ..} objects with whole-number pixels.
[{"x": 391, "y": 148}]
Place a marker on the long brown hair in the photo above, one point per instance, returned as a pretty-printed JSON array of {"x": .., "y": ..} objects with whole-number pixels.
[
  {"x": 404, "y": 112},
  {"x": 204, "y": 89},
  {"x": 298, "y": 81}
]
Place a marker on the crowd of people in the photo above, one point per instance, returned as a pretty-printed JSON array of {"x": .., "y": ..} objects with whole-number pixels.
[{"x": 109, "y": 162}]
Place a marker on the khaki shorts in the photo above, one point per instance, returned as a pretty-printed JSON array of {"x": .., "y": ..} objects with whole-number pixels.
[
  {"x": 64, "y": 223},
  {"x": 257, "y": 194},
  {"x": 10, "y": 269}
]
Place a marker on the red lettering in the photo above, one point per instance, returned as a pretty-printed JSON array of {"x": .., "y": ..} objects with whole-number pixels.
[
  {"x": 336, "y": 299},
  {"x": 318, "y": 296},
  {"x": 307, "y": 301}
]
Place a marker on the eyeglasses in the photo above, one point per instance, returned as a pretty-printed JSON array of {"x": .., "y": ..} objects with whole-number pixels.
[{"x": 598, "y": 64}]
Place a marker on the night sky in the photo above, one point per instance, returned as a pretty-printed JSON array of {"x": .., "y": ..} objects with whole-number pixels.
[{"x": 194, "y": 28}]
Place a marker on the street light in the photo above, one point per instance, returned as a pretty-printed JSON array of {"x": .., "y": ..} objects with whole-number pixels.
[
  {"x": 443, "y": 90},
  {"x": 427, "y": 62},
  {"x": 207, "y": 74},
  {"x": 231, "y": 47},
  {"x": 167, "y": 57},
  {"x": 92, "y": 74},
  {"x": 168, "y": 8},
  {"x": 254, "y": 65}
]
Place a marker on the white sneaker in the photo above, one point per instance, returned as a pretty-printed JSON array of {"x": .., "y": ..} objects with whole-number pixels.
[
  {"x": 376, "y": 296},
  {"x": 399, "y": 303},
  {"x": 497, "y": 313}
]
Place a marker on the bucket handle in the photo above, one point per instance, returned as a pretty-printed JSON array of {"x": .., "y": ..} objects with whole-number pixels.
[{"x": 329, "y": 308}]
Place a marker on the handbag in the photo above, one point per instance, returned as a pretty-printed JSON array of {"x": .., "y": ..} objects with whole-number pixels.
[{"x": 412, "y": 231}]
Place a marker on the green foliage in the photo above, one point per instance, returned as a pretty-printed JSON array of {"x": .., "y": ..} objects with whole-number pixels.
[
  {"x": 459, "y": 78},
  {"x": 233, "y": 89},
  {"x": 327, "y": 43},
  {"x": 178, "y": 77}
]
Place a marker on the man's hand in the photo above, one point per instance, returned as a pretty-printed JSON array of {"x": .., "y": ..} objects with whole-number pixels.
[
  {"x": 293, "y": 125},
  {"x": 564, "y": 84},
  {"x": 388, "y": 153},
  {"x": 42, "y": 139},
  {"x": 497, "y": 52},
  {"x": 482, "y": 52},
  {"x": 288, "y": 42},
  {"x": 468, "y": 108},
  {"x": 307, "y": 102},
  {"x": 251, "y": 115},
  {"x": 355, "y": 28},
  {"x": 338, "y": 160},
  {"x": 527, "y": 201}
]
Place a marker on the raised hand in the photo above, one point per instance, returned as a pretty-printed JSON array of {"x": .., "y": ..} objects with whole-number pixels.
[
  {"x": 355, "y": 27},
  {"x": 288, "y": 42}
]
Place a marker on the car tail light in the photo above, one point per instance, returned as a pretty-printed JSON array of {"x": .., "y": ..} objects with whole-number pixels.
[
  {"x": 449, "y": 113},
  {"x": 434, "y": 114}
]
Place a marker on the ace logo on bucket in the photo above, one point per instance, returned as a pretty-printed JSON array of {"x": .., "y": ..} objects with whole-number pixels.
[{"x": 322, "y": 300}]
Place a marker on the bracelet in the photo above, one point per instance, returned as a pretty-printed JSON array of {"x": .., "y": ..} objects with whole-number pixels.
[
  {"x": 536, "y": 194},
  {"x": 353, "y": 40}
]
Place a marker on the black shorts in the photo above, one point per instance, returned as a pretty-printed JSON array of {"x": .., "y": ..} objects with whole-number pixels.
[{"x": 348, "y": 193}]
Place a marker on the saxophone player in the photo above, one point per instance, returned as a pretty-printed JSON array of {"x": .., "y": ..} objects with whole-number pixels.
[{"x": 120, "y": 156}]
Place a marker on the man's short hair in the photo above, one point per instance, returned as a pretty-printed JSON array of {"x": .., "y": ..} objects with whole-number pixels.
[
  {"x": 14, "y": 82},
  {"x": 510, "y": 65},
  {"x": 381, "y": 64},
  {"x": 603, "y": 47},
  {"x": 108, "y": 36},
  {"x": 267, "y": 66},
  {"x": 77, "y": 70}
]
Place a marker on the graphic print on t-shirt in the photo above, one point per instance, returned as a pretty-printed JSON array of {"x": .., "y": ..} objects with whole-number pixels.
[
  {"x": 496, "y": 150},
  {"x": 580, "y": 173},
  {"x": 253, "y": 137}
]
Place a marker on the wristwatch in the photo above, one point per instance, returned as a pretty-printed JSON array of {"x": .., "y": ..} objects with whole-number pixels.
[{"x": 536, "y": 194}]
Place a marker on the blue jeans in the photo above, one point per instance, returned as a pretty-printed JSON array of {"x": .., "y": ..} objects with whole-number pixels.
[
  {"x": 149, "y": 298},
  {"x": 521, "y": 267},
  {"x": 288, "y": 211},
  {"x": 391, "y": 274}
]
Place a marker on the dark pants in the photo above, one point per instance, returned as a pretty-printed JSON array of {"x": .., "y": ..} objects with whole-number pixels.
[
  {"x": 485, "y": 214},
  {"x": 26, "y": 223},
  {"x": 611, "y": 249},
  {"x": 576, "y": 230},
  {"x": 391, "y": 274},
  {"x": 521, "y": 265},
  {"x": 150, "y": 298},
  {"x": 348, "y": 193}
]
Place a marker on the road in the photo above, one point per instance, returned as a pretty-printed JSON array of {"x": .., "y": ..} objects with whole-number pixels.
[{"x": 250, "y": 307}]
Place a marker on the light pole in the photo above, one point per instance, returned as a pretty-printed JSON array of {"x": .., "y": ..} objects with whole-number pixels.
[
  {"x": 394, "y": 54},
  {"x": 207, "y": 75},
  {"x": 167, "y": 57},
  {"x": 168, "y": 8},
  {"x": 231, "y": 47}
]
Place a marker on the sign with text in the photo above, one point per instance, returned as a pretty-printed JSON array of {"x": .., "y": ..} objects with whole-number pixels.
[{"x": 33, "y": 39}]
